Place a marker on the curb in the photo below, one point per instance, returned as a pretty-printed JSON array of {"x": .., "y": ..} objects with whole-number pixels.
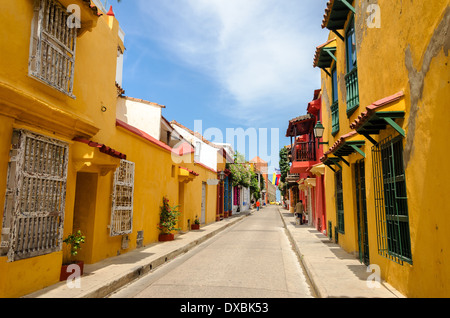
[{"x": 318, "y": 289}]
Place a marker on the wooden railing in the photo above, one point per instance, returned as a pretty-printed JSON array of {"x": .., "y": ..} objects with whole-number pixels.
[{"x": 351, "y": 81}]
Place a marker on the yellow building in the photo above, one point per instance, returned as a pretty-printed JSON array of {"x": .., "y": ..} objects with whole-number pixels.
[
  {"x": 386, "y": 86},
  {"x": 67, "y": 162}
]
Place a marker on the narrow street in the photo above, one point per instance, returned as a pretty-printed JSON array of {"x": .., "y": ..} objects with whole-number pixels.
[{"x": 252, "y": 259}]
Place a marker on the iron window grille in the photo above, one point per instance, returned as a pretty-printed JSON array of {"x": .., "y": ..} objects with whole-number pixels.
[
  {"x": 33, "y": 216},
  {"x": 391, "y": 205},
  {"x": 52, "y": 46},
  {"x": 122, "y": 199}
]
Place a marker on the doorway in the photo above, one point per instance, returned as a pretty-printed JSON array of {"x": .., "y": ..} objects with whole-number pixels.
[
  {"x": 361, "y": 209},
  {"x": 203, "y": 215},
  {"x": 84, "y": 211}
]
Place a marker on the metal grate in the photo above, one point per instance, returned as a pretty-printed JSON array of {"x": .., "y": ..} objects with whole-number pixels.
[
  {"x": 35, "y": 196},
  {"x": 122, "y": 202},
  {"x": 53, "y": 43},
  {"x": 391, "y": 200}
]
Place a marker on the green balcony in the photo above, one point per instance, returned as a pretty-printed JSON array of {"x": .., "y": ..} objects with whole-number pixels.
[{"x": 351, "y": 81}]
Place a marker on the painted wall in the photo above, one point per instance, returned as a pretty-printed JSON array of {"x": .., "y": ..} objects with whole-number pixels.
[
  {"x": 408, "y": 53},
  {"x": 143, "y": 115},
  {"x": 208, "y": 153}
]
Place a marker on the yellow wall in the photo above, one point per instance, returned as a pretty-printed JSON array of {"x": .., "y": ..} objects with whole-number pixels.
[
  {"x": 29, "y": 104},
  {"x": 408, "y": 53}
]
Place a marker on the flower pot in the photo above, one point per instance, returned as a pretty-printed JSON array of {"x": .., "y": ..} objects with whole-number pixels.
[
  {"x": 166, "y": 237},
  {"x": 195, "y": 227},
  {"x": 70, "y": 269}
]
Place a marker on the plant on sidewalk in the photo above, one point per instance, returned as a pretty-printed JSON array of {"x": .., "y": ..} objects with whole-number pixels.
[
  {"x": 168, "y": 217},
  {"x": 74, "y": 241},
  {"x": 196, "y": 221}
]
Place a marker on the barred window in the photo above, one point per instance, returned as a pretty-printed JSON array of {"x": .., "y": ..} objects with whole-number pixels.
[
  {"x": 391, "y": 200},
  {"x": 52, "y": 49},
  {"x": 35, "y": 196},
  {"x": 122, "y": 201}
]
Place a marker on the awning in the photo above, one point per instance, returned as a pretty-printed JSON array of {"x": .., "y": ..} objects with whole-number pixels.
[
  {"x": 310, "y": 182},
  {"x": 102, "y": 148},
  {"x": 331, "y": 161},
  {"x": 336, "y": 14},
  {"x": 186, "y": 175},
  {"x": 301, "y": 125},
  {"x": 318, "y": 169},
  {"x": 325, "y": 54},
  {"x": 347, "y": 145},
  {"x": 377, "y": 117}
]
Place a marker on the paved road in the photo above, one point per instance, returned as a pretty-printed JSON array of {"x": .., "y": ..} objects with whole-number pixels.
[{"x": 253, "y": 259}]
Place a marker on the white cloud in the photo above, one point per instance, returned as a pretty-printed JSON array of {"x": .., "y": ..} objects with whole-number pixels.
[{"x": 259, "y": 51}]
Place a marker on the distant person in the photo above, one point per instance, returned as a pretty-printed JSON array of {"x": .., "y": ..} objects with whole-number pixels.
[
  {"x": 299, "y": 212},
  {"x": 258, "y": 204}
]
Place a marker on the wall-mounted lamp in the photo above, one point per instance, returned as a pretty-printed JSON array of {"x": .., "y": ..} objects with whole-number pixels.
[
  {"x": 222, "y": 175},
  {"x": 318, "y": 133}
]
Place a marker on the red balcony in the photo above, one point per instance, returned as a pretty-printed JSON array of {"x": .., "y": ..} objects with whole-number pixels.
[{"x": 303, "y": 155}]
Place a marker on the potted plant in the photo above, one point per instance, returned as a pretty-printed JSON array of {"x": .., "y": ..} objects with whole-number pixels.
[
  {"x": 196, "y": 225},
  {"x": 73, "y": 241},
  {"x": 167, "y": 221}
]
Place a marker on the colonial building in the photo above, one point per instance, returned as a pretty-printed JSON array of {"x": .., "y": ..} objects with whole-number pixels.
[
  {"x": 385, "y": 79},
  {"x": 305, "y": 178}
]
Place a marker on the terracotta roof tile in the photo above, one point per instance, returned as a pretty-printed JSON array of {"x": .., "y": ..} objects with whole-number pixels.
[
  {"x": 102, "y": 148},
  {"x": 371, "y": 109},
  {"x": 319, "y": 50},
  {"x": 326, "y": 16},
  {"x": 340, "y": 141}
]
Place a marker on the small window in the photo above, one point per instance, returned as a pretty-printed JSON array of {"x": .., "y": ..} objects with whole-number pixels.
[
  {"x": 122, "y": 201},
  {"x": 334, "y": 83},
  {"x": 198, "y": 147},
  {"x": 52, "y": 50},
  {"x": 350, "y": 41}
]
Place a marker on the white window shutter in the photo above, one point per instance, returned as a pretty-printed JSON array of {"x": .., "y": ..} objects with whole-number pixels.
[{"x": 35, "y": 197}]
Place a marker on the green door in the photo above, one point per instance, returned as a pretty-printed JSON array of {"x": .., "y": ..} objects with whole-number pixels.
[{"x": 363, "y": 237}]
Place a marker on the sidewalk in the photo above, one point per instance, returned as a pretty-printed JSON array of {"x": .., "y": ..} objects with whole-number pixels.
[
  {"x": 103, "y": 278},
  {"x": 332, "y": 271}
]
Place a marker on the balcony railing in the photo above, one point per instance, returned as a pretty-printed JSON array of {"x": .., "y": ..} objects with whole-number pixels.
[
  {"x": 305, "y": 151},
  {"x": 351, "y": 80}
]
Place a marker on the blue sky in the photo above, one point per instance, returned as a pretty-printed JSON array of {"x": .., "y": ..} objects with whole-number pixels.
[{"x": 230, "y": 63}]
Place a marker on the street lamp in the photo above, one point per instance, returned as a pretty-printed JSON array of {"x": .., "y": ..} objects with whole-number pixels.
[{"x": 318, "y": 132}]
